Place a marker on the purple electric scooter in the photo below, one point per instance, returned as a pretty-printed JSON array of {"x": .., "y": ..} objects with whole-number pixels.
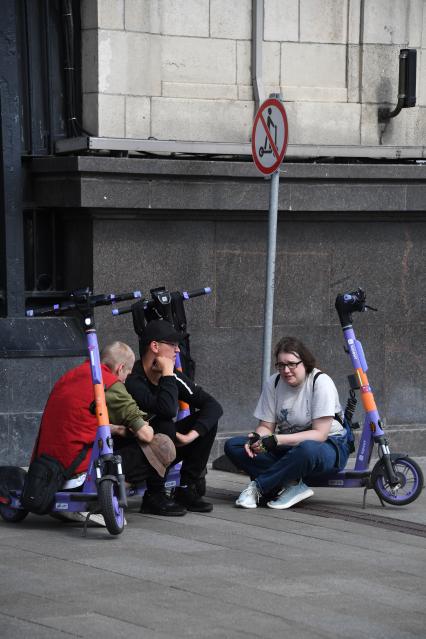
[
  {"x": 396, "y": 478},
  {"x": 103, "y": 490}
]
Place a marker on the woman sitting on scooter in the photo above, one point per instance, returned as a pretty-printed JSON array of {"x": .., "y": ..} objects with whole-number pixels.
[{"x": 300, "y": 432}]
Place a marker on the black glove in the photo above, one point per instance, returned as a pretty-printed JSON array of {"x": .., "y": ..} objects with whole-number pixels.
[
  {"x": 254, "y": 437},
  {"x": 269, "y": 442}
]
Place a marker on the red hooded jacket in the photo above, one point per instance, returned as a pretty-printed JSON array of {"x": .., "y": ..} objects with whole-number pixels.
[{"x": 67, "y": 423}]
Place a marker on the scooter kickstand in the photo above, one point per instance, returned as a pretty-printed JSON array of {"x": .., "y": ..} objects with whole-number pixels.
[{"x": 86, "y": 521}]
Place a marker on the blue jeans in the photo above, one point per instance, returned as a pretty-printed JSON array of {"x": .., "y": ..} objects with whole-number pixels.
[{"x": 285, "y": 464}]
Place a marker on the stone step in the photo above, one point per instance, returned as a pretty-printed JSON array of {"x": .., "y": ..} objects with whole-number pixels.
[{"x": 408, "y": 438}]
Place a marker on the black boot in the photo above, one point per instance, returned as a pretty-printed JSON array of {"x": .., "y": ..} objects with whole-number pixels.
[
  {"x": 189, "y": 497},
  {"x": 160, "y": 504},
  {"x": 200, "y": 486}
]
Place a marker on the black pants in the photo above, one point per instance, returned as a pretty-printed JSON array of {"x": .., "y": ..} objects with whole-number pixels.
[
  {"x": 136, "y": 467},
  {"x": 194, "y": 456}
]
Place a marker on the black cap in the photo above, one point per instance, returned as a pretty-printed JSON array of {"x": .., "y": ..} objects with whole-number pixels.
[{"x": 160, "y": 331}]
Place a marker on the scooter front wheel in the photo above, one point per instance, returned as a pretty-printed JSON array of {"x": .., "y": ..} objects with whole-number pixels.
[
  {"x": 12, "y": 515},
  {"x": 113, "y": 513},
  {"x": 410, "y": 481}
]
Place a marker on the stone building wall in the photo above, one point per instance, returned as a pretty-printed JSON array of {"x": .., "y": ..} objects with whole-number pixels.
[
  {"x": 181, "y": 69},
  {"x": 317, "y": 258}
]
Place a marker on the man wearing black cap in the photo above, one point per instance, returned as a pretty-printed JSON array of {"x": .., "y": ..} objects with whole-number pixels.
[{"x": 158, "y": 388}]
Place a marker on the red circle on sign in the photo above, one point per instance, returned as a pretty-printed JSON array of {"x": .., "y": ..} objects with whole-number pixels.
[{"x": 259, "y": 121}]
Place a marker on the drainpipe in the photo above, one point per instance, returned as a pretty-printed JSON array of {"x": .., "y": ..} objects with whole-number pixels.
[{"x": 256, "y": 52}]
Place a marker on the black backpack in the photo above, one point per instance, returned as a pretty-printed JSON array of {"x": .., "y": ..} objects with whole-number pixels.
[
  {"x": 171, "y": 308},
  {"x": 11, "y": 478},
  {"x": 45, "y": 477}
]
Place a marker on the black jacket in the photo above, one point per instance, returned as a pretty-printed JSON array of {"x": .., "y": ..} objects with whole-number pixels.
[{"x": 163, "y": 400}]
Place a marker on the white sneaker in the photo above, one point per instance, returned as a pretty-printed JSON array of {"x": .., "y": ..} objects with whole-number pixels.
[
  {"x": 68, "y": 515},
  {"x": 250, "y": 496},
  {"x": 96, "y": 519},
  {"x": 291, "y": 495}
]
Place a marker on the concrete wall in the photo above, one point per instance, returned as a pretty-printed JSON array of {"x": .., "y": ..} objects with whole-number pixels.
[
  {"x": 26, "y": 384},
  {"x": 316, "y": 260},
  {"x": 181, "y": 69}
]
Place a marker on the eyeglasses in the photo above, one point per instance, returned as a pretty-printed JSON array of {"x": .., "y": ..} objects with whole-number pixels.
[
  {"x": 281, "y": 366},
  {"x": 173, "y": 344}
]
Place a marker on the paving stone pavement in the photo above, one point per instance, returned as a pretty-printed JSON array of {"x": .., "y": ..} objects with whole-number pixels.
[{"x": 315, "y": 571}]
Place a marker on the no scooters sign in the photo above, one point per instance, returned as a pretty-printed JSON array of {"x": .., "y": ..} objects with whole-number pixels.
[{"x": 269, "y": 136}]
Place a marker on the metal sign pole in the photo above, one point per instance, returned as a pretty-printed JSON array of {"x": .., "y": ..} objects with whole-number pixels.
[
  {"x": 270, "y": 276},
  {"x": 269, "y": 143}
]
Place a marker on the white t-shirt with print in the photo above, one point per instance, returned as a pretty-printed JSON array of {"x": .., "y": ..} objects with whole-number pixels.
[{"x": 292, "y": 408}]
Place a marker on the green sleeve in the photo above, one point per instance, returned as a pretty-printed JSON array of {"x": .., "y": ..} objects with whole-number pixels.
[{"x": 122, "y": 408}]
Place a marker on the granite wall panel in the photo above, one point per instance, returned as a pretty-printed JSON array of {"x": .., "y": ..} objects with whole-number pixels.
[
  {"x": 229, "y": 358},
  {"x": 23, "y": 429},
  {"x": 405, "y": 372},
  {"x": 150, "y": 253},
  {"x": 95, "y": 192},
  {"x": 5, "y": 386},
  {"x": 32, "y": 383},
  {"x": 315, "y": 261},
  {"x": 4, "y": 438},
  {"x": 342, "y": 197}
]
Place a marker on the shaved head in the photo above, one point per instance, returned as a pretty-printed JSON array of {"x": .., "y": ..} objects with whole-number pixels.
[{"x": 117, "y": 353}]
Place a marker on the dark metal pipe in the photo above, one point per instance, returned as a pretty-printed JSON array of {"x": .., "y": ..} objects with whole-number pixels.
[{"x": 406, "y": 85}]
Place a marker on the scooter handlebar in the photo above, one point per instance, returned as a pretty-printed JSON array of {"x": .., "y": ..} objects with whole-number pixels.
[
  {"x": 196, "y": 293},
  {"x": 125, "y": 309},
  {"x": 44, "y": 310},
  {"x": 347, "y": 303},
  {"x": 186, "y": 295},
  {"x": 124, "y": 297},
  {"x": 83, "y": 298}
]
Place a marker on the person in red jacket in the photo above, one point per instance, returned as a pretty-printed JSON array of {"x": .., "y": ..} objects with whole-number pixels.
[{"x": 69, "y": 421}]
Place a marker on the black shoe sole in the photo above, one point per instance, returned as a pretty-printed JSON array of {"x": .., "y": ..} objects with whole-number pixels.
[
  {"x": 204, "y": 509},
  {"x": 165, "y": 513}
]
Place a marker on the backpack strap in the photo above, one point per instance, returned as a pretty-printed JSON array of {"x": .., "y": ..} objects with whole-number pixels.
[
  {"x": 179, "y": 322},
  {"x": 315, "y": 379},
  {"x": 68, "y": 472},
  {"x": 138, "y": 316},
  {"x": 336, "y": 415},
  {"x": 277, "y": 379}
]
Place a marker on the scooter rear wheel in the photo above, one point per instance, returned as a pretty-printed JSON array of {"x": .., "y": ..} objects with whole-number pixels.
[
  {"x": 12, "y": 515},
  {"x": 410, "y": 482},
  {"x": 113, "y": 513}
]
